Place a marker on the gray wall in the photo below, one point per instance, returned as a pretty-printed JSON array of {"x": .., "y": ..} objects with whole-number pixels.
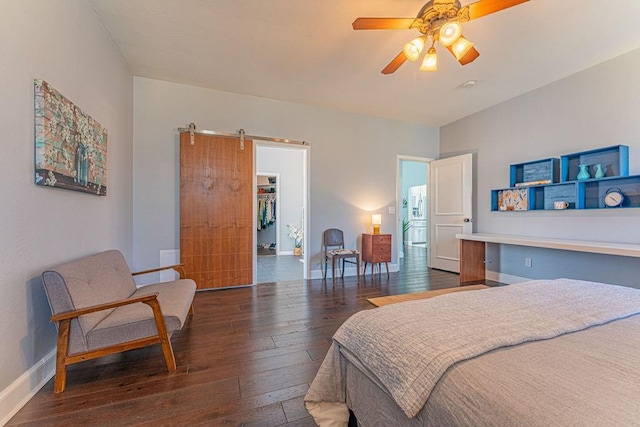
[
  {"x": 352, "y": 159},
  {"x": 63, "y": 43},
  {"x": 597, "y": 107},
  {"x": 289, "y": 163}
]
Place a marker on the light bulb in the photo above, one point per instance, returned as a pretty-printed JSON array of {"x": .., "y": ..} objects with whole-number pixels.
[
  {"x": 461, "y": 47},
  {"x": 450, "y": 32},
  {"x": 413, "y": 49},
  {"x": 430, "y": 62}
]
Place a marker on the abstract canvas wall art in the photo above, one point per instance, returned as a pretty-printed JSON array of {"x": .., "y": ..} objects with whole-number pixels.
[{"x": 71, "y": 147}]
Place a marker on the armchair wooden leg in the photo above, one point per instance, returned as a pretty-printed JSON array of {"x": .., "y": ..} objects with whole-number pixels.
[
  {"x": 61, "y": 356},
  {"x": 165, "y": 341},
  {"x": 167, "y": 350}
]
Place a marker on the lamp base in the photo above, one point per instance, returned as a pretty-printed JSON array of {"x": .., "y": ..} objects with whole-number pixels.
[{"x": 376, "y": 229}]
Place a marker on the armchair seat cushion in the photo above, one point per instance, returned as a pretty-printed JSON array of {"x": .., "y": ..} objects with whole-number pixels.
[{"x": 135, "y": 321}]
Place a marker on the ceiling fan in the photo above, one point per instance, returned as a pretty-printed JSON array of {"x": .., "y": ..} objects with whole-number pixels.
[{"x": 438, "y": 20}]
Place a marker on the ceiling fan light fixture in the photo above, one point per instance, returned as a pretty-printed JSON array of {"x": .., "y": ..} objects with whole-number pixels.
[
  {"x": 461, "y": 47},
  {"x": 413, "y": 49},
  {"x": 430, "y": 62},
  {"x": 449, "y": 33},
  {"x": 441, "y": 21}
]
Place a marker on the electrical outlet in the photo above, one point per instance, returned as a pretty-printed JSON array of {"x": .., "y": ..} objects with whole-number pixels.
[{"x": 527, "y": 262}]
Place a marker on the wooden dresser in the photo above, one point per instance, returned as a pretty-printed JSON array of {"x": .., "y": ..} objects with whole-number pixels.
[{"x": 376, "y": 249}]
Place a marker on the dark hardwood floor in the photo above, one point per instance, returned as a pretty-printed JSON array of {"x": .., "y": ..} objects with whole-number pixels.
[{"x": 246, "y": 357}]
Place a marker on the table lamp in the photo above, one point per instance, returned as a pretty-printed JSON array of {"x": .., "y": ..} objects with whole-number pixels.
[{"x": 376, "y": 220}]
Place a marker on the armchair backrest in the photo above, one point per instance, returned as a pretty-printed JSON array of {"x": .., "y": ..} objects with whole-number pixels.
[{"x": 92, "y": 280}]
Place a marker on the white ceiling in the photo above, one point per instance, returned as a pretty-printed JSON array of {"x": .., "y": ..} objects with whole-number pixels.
[{"x": 305, "y": 51}]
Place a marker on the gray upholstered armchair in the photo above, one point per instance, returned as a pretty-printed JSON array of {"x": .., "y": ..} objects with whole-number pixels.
[{"x": 98, "y": 310}]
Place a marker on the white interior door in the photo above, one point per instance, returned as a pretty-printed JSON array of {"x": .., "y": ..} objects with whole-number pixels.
[{"x": 450, "y": 206}]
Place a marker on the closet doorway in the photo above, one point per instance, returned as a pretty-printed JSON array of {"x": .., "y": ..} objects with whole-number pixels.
[
  {"x": 281, "y": 203},
  {"x": 268, "y": 215}
]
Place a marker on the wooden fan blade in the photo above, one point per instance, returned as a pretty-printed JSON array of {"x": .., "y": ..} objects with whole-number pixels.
[
  {"x": 383, "y": 23},
  {"x": 486, "y": 7},
  {"x": 469, "y": 57},
  {"x": 395, "y": 64}
]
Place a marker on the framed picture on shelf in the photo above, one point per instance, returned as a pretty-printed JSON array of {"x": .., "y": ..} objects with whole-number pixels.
[{"x": 513, "y": 199}]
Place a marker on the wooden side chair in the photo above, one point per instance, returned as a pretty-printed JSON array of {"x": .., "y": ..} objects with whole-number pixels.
[{"x": 333, "y": 250}]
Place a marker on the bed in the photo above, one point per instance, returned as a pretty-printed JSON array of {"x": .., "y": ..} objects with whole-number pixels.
[{"x": 540, "y": 353}]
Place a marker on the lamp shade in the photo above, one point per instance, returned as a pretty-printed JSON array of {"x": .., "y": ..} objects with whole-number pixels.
[
  {"x": 449, "y": 33},
  {"x": 430, "y": 62},
  {"x": 413, "y": 49},
  {"x": 460, "y": 47}
]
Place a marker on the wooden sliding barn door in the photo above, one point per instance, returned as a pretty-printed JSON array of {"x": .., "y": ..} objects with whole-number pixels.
[{"x": 216, "y": 206}]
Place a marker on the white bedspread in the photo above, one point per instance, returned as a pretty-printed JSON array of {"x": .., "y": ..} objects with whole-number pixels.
[{"x": 409, "y": 346}]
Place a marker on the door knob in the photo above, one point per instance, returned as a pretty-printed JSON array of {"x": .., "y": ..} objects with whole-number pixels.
[{"x": 467, "y": 220}]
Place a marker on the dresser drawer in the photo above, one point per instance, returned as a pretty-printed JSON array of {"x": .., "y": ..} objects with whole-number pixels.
[
  {"x": 381, "y": 239},
  {"x": 380, "y": 258},
  {"x": 381, "y": 249}
]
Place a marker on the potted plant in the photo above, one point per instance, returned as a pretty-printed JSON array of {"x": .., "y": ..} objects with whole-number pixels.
[
  {"x": 296, "y": 234},
  {"x": 406, "y": 225}
]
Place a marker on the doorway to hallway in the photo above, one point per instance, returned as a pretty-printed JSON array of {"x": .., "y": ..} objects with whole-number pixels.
[
  {"x": 413, "y": 211},
  {"x": 414, "y": 260}
]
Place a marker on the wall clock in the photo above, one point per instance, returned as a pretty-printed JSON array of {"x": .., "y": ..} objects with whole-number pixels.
[{"x": 613, "y": 198}]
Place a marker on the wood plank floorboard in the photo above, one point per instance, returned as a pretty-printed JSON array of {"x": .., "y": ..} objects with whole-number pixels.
[{"x": 246, "y": 358}]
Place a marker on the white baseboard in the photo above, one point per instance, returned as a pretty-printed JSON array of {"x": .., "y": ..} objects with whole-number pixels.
[
  {"x": 26, "y": 386},
  {"x": 285, "y": 253},
  {"x": 504, "y": 278}
]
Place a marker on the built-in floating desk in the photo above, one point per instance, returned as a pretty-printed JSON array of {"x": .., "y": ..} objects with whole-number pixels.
[{"x": 472, "y": 250}]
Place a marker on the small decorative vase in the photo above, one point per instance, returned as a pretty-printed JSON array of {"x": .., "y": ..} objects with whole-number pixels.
[
  {"x": 599, "y": 171},
  {"x": 583, "y": 173}
]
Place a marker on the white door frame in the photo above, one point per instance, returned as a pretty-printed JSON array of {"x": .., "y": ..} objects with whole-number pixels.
[
  {"x": 399, "y": 159},
  {"x": 306, "y": 163}
]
